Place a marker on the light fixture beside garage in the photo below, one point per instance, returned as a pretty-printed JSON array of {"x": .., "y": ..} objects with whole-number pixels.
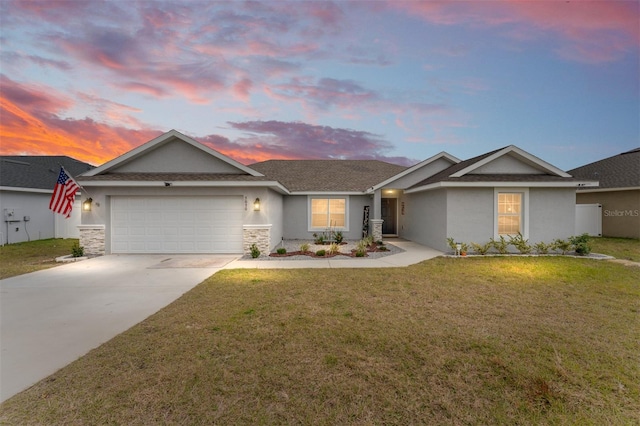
[
  {"x": 86, "y": 205},
  {"x": 256, "y": 205}
]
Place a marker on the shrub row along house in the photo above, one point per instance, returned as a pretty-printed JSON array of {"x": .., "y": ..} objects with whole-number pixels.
[{"x": 175, "y": 195}]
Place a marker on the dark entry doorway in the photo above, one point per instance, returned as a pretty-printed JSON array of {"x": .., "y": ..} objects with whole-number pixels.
[{"x": 389, "y": 215}]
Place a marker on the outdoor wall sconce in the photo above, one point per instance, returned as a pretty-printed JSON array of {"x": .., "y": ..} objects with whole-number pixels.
[
  {"x": 256, "y": 205},
  {"x": 86, "y": 205}
]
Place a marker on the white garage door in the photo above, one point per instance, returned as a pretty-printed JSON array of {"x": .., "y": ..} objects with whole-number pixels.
[{"x": 176, "y": 224}]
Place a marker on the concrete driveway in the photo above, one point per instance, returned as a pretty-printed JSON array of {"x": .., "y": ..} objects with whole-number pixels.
[{"x": 52, "y": 317}]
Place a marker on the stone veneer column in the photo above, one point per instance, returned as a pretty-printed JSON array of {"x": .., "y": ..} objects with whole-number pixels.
[
  {"x": 92, "y": 239},
  {"x": 260, "y": 235},
  {"x": 376, "y": 229}
]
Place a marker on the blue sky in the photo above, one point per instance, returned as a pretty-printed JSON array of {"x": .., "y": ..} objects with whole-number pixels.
[{"x": 395, "y": 81}]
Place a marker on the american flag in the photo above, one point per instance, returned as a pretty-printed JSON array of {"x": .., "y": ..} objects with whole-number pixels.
[{"x": 64, "y": 194}]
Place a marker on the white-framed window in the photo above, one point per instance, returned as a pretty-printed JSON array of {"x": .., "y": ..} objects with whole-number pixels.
[
  {"x": 511, "y": 207},
  {"x": 325, "y": 212}
]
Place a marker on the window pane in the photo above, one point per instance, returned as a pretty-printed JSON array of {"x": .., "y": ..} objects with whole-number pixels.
[
  {"x": 508, "y": 225},
  {"x": 326, "y": 212},
  {"x": 337, "y": 212},
  {"x": 509, "y": 213}
]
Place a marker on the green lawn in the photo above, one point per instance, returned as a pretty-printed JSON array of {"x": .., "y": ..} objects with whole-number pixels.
[
  {"x": 620, "y": 248},
  {"x": 22, "y": 258},
  {"x": 546, "y": 340}
]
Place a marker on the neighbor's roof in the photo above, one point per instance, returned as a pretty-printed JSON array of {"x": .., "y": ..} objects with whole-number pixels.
[
  {"x": 619, "y": 171},
  {"x": 37, "y": 172},
  {"x": 328, "y": 175}
]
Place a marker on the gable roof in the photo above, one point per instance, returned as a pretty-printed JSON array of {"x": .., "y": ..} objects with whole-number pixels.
[
  {"x": 328, "y": 175},
  {"x": 462, "y": 174},
  {"x": 441, "y": 155},
  {"x": 158, "y": 142},
  {"x": 618, "y": 171},
  {"x": 38, "y": 172}
]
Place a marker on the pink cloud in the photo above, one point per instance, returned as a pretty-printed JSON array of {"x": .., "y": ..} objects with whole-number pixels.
[
  {"x": 588, "y": 31},
  {"x": 296, "y": 140},
  {"x": 242, "y": 89}
]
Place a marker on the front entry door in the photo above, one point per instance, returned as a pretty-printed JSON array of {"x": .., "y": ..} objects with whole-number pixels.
[{"x": 389, "y": 215}]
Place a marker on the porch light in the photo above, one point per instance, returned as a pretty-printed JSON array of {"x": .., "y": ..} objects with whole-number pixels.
[
  {"x": 256, "y": 205},
  {"x": 86, "y": 205}
]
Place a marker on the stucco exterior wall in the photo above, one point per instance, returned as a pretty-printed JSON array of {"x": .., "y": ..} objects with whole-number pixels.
[
  {"x": 296, "y": 217},
  {"x": 177, "y": 157},
  {"x": 421, "y": 174},
  {"x": 42, "y": 221},
  {"x": 471, "y": 214},
  {"x": 425, "y": 218},
  {"x": 620, "y": 211},
  {"x": 552, "y": 214}
]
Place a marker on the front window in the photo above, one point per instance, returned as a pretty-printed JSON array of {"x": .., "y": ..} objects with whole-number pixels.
[
  {"x": 509, "y": 213},
  {"x": 328, "y": 212}
]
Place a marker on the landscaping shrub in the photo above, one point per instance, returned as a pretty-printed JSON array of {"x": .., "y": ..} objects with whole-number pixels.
[
  {"x": 282, "y": 250},
  {"x": 563, "y": 245},
  {"x": 481, "y": 249},
  {"x": 255, "y": 251},
  {"x": 520, "y": 243},
  {"x": 304, "y": 247},
  {"x": 581, "y": 244},
  {"x": 77, "y": 250},
  {"x": 500, "y": 245},
  {"x": 321, "y": 253},
  {"x": 542, "y": 247}
]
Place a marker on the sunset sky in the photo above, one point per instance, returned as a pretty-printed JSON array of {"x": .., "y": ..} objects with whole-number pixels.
[{"x": 394, "y": 81}]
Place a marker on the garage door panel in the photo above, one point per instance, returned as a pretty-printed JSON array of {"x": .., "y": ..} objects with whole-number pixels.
[{"x": 176, "y": 224}]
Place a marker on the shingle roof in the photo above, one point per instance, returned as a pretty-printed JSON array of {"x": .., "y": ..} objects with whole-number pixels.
[
  {"x": 619, "y": 171},
  {"x": 170, "y": 177},
  {"x": 328, "y": 175},
  {"x": 37, "y": 172},
  {"x": 445, "y": 175}
]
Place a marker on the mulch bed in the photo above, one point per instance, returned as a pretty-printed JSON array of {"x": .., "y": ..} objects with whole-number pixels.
[{"x": 370, "y": 249}]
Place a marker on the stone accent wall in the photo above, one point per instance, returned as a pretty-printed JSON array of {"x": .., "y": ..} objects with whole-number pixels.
[
  {"x": 376, "y": 229},
  {"x": 92, "y": 238},
  {"x": 260, "y": 235}
]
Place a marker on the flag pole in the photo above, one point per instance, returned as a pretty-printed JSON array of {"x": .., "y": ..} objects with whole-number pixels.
[{"x": 74, "y": 179}]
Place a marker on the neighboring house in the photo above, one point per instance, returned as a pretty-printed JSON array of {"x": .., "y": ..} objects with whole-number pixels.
[
  {"x": 175, "y": 195},
  {"x": 618, "y": 192},
  {"x": 26, "y": 185}
]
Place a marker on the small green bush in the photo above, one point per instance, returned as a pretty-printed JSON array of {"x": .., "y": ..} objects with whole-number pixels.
[
  {"x": 338, "y": 236},
  {"x": 77, "y": 250},
  {"x": 581, "y": 244},
  {"x": 255, "y": 251},
  {"x": 452, "y": 244},
  {"x": 563, "y": 245},
  {"x": 542, "y": 247},
  {"x": 520, "y": 243},
  {"x": 501, "y": 245},
  {"x": 481, "y": 249},
  {"x": 321, "y": 253},
  {"x": 282, "y": 250}
]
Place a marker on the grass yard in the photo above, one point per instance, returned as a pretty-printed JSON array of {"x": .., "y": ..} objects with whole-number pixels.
[
  {"x": 22, "y": 258},
  {"x": 449, "y": 341},
  {"x": 620, "y": 248}
]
